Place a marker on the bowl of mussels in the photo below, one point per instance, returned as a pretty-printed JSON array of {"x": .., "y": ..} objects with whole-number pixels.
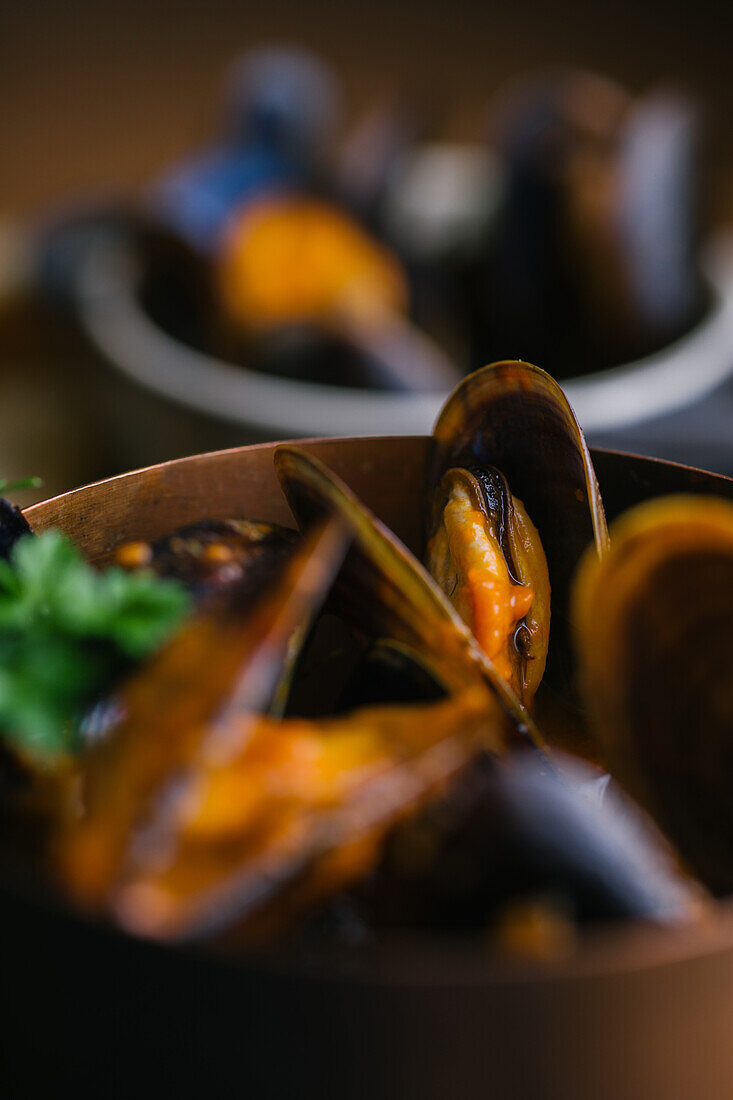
[
  {"x": 389, "y": 766},
  {"x": 297, "y": 278}
]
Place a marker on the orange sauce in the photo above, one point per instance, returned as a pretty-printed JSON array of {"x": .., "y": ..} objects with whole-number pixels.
[
  {"x": 294, "y": 259},
  {"x": 483, "y": 593}
]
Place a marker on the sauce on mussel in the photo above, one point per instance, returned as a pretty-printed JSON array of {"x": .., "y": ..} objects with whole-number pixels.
[
  {"x": 486, "y": 554},
  {"x": 213, "y": 555}
]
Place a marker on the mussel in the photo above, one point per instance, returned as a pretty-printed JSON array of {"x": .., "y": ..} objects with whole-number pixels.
[
  {"x": 384, "y": 589},
  {"x": 654, "y": 635},
  {"x": 508, "y": 831},
  {"x": 298, "y": 810},
  {"x": 221, "y": 814},
  {"x": 213, "y": 555},
  {"x": 210, "y": 558},
  {"x": 202, "y": 811},
  {"x": 421, "y": 794},
  {"x": 508, "y": 447},
  {"x": 486, "y": 554},
  {"x": 575, "y": 272},
  {"x": 221, "y": 665}
]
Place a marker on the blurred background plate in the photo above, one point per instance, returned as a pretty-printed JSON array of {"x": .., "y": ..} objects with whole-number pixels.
[{"x": 205, "y": 398}]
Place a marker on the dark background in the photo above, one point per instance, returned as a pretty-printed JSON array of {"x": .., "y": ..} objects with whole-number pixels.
[{"x": 95, "y": 93}]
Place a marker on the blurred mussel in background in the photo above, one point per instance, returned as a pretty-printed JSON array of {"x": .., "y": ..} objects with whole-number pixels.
[
  {"x": 266, "y": 248},
  {"x": 381, "y": 254},
  {"x": 593, "y": 258},
  {"x": 567, "y": 233}
]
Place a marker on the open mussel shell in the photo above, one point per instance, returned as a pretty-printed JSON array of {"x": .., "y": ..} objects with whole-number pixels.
[
  {"x": 213, "y": 555},
  {"x": 508, "y": 831},
  {"x": 514, "y": 416},
  {"x": 384, "y": 591},
  {"x": 299, "y": 810},
  {"x": 654, "y": 635},
  {"x": 223, "y": 663},
  {"x": 210, "y": 558},
  {"x": 486, "y": 554}
]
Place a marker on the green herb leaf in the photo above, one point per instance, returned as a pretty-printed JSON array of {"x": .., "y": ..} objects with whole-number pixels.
[
  {"x": 22, "y": 483},
  {"x": 66, "y": 632}
]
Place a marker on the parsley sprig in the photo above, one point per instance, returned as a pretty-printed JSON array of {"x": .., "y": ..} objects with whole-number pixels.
[
  {"x": 22, "y": 483},
  {"x": 66, "y": 632}
]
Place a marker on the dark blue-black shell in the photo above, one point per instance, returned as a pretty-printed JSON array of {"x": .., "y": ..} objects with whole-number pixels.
[
  {"x": 13, "y": 526},
  {"x": 515, "y": 830}
]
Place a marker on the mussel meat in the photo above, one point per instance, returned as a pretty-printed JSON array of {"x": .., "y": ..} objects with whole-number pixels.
[
  {"x": 384, "y": 589},
  {"x": 486, "y": 554},
  {"x": 214, "y": 554}
]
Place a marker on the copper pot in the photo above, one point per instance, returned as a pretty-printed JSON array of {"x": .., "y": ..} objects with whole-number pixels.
[{"x": 633, "y": 1013}]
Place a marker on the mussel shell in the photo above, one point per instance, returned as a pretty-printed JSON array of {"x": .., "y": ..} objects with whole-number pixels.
[
  {"x": 386, "y": 592},
  {"x": 13, "y": 526},
  {"x": 224, "y": 662},
  {"x": 297, "y": 834},
  {"x": 508, "y": 830},
  {"x": 514, "y": 416},
  {"x": 654, "y": 635},
  {"x": 212, "y": 559},
  {"x": 340, "y": 670},
  {"x": 388, "y": 674}
]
